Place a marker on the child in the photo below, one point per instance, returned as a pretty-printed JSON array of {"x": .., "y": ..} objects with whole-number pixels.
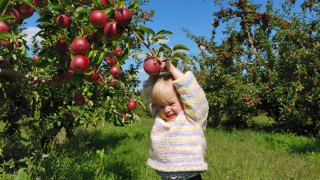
[{"x": 180, "y": 111}]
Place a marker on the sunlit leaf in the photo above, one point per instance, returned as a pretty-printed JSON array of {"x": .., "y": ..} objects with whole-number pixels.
[
  {"x": 182, "y": 56},
  {"x": 180, "y": 47}
]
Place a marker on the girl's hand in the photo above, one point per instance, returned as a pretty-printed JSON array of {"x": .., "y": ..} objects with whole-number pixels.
[{"x": 168, "y": 67}]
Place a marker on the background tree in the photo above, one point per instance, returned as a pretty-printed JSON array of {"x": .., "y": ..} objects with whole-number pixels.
[{"x": 268, "y": 61}]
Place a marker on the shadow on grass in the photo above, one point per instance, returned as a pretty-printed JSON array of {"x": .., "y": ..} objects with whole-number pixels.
[
  {"x": 309, "y": 147},
  {"x": 88, "y": 154}
]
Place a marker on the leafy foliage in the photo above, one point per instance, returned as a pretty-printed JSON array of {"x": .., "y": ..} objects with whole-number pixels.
[{"x": 268, "y": 61}]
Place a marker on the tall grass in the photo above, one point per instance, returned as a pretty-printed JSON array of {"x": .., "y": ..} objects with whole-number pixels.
[{"x": 109, "y": 152}]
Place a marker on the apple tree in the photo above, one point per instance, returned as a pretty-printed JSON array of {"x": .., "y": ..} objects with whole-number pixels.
[
  {"x": 75, "y": 72},
  {"x": 267, "y": 62}
]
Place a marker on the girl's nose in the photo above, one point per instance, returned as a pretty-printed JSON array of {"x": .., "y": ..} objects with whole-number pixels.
[{"x": 166, "y": 109}]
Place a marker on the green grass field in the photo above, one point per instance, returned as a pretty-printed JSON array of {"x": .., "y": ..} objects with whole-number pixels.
[{"x": 109, "y": 152}]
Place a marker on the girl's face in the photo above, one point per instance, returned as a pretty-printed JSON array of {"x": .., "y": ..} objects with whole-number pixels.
[{"x": 173, "y": 106}]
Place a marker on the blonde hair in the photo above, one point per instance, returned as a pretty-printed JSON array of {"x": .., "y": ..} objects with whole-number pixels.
[{"x": 161, "y": 89}]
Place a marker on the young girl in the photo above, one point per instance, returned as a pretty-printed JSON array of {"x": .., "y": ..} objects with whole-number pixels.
[{"x": 180, "y": 111}]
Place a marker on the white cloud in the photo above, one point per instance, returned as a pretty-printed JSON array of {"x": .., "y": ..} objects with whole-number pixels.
[{"x": 30, "y": 32}]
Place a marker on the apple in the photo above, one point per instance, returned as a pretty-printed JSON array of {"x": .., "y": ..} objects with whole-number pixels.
[
  {"x": 113, "y": 30},
  {"x": 61, "y": 45},
  {"x": 40, "y": 3},
  {"x": 80, "y": 64},
  {"x": 115, "y": 71},
  {"x": 123, "y": 16},
  {"x": 25, "y": 10},
  {"x": 308, "y": 5},
  {"x": 80, "y": 46},
  {"x": 117, "y": 51},
  {"x": 113, "y": 82},
  {"x": 98, "y": 18},
  {"x": 152, "y": 66},
  {"x": 35, "y": 57},
  {"x": 91, "y": 37},
  {"x": 4, "y": 27},
  {"x": 63, "y": 20},
  {"x": 146, "y": 16},
  {"x": 132, "y": 104},
  {"x": 4, "y": 43},
  {"x": 57, "y": 79},
  {"x": 110, "y": 61},
  {"x": 68, "y": 75},
  {"x": 93, "y": 77},
  {"x": 18, "y": 18},
  {"x": 79, "y": 99},
  {"x": 245, "y": 99},
  {"x": 104, "y": 3}
]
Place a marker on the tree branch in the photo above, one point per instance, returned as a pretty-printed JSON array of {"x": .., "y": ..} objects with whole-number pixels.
[
  {"x": 17, "y": 74},
  {"x": 252, "y": 46},
  {"x": 145, "y": 44}
]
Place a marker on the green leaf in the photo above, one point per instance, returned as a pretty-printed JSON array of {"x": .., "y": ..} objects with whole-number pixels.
[
  {"x": 3, "y": 6},
  {"x": 165, "y": 49},
  {"x": 182, "y": 56},
  {"x": 134, "y": 5},
  {"x": 147, "y": 30},
  {"x": 180, "y": 47},
  {"x": 163, "y": 32},
  {"x": 29, "y": 3},
  {"x": 142, "y": 104},
  {"x": 6, "y": 36}
]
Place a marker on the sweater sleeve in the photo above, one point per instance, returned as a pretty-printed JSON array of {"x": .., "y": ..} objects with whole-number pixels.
[
  {"x": 193, "y": 98},
  {"x": 147, "y": 89}
]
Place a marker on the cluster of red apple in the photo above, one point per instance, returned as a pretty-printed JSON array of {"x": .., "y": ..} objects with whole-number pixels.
[{"x": 19, "y": 12}]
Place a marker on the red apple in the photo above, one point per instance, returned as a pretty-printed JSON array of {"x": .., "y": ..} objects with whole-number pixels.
[
  {"x": 61, "y": 45},
  {"x": 63, "y": 20},
  {"x": 4, "y": 27},
  {"x": 115, "y": 71},
  {"x": 40, "y": 3},
  {"x": 57, "y": 79},
  {"x": 79, "y": 99},
  {"x": 308, "y": 5},
  {"x": 110, "y": 61},
  {"x": 25, "y": 10},
  {"x": 132, "y": 105},
  {"x": 117, "y": 51},
  {"x": 93, "y": 77},
  {"x": 80, "y": 64},
  {"x": 152, "y": 66},
  {"x": 113, "y": 82},
  {"x": 91, "y": 37},
  {"x": 16, "y": 14},
  {"x": 80, "y": 46},
  {"x": 123, "y": 16},
  {"x": 68, "y": 75},
  {"x": 146, "y": 16},
  {"x": 104, "y": 3},
  {"x": 245, "y": 99},
  {"x": 98, "y": 18},
  {"x": 113, "y": 30},
  {"x": 35, "y": 57},
  {"x": 4, "y": 43}
]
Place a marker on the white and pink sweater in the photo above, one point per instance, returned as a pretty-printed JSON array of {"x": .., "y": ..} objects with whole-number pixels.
[{"x": 180, "y": 145}]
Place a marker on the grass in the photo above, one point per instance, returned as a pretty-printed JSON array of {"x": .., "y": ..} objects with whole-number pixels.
[{"x": 109, "y": 152}]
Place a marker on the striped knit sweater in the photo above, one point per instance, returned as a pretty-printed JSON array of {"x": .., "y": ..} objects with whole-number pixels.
[{"x": 180, "y": 145}]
